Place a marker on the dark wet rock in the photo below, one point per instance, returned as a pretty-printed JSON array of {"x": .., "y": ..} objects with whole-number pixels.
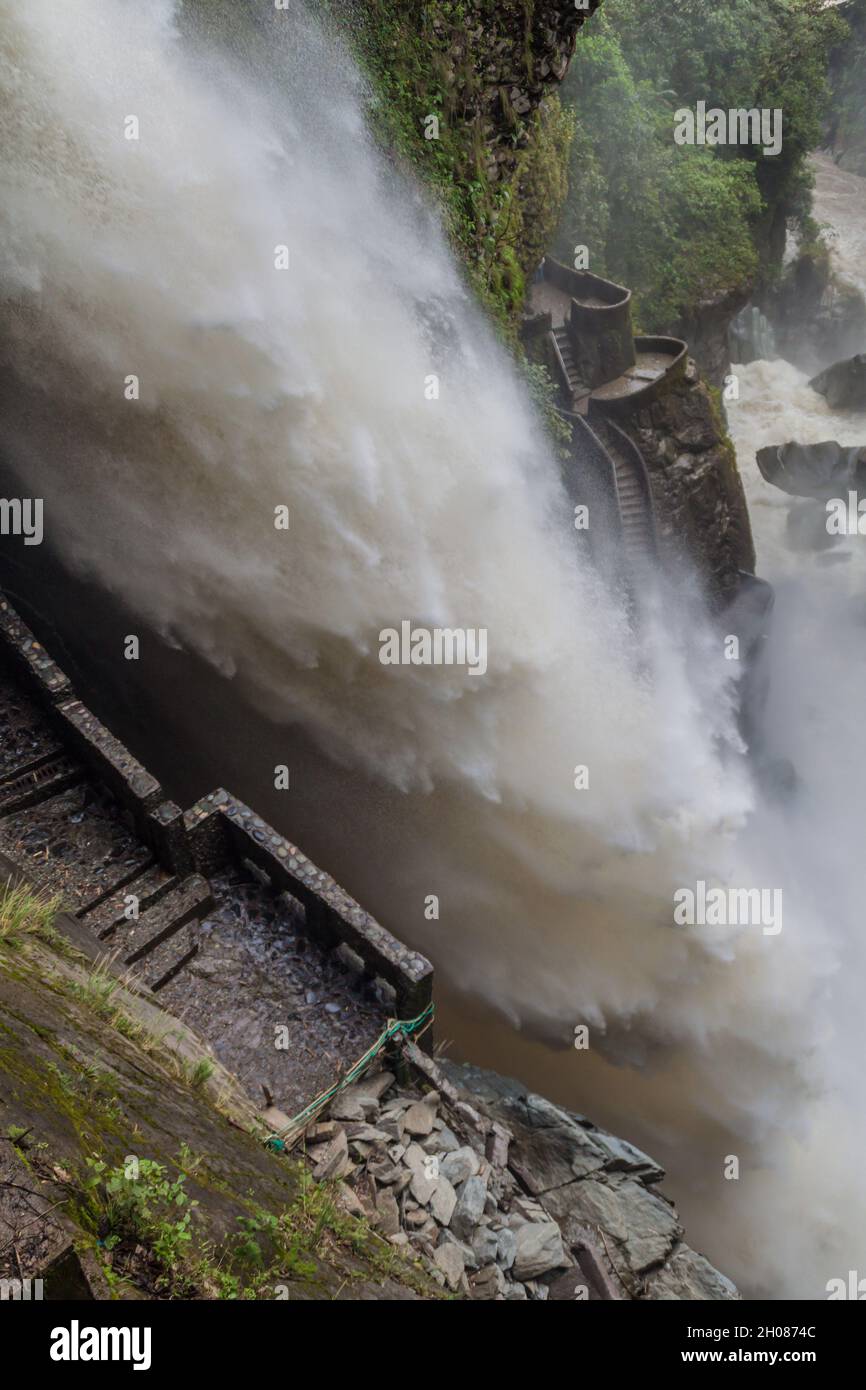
[
  {"x": 642, "y": 1224},
  {"x": 549, "y": 1149},
  {"x": 696, "y": 486},
  {"x": 843, "y": 385},
  {"x": 819, "y": 471},
  {"x": 688, "y": 1275}
]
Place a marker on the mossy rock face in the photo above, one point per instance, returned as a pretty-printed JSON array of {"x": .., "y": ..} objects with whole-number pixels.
[
  {"x": 465, "y": 93},
  {"x": 75, "y": 1087},
  {"x": 698, "y": 491}
]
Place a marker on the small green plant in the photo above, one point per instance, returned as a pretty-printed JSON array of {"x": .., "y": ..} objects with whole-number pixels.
[
  {"x": 139, "y": 1200},
  {"x": 247, "y": 1247},
  {"x": 24, "y": 913},
  {"x": 200, "y": 1073}
]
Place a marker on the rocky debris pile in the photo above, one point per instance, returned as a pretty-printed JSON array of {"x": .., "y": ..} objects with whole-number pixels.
[{"x": 511, "y": 1200}]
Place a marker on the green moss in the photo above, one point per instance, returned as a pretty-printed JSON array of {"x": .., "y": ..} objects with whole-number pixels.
[{"x": 498, "y": 177}]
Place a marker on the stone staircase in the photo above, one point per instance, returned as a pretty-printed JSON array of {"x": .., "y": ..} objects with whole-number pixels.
[
  {"x": 567, "y": 355},
  {"x": 635, "y": 508},
  {"x": 67, "y": 836}
]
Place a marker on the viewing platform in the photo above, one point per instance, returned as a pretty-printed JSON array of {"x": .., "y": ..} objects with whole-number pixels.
[{"x": 585, "y": 326}]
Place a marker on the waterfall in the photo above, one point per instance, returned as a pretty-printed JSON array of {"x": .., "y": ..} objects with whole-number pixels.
[{"x": 283, "y": 299}]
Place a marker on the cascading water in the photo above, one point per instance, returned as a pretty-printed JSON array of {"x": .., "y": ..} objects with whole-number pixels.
[{"x": 305, "y": 387}]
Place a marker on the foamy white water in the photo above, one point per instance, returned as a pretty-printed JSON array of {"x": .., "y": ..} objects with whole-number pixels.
[
  {"x": 818, "y": 663},
  {"x": 305, "y": 387}
]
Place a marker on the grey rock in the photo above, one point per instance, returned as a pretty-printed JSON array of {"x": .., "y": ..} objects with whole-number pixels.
[
  {"x": 487, "y": 1283},
  {"x": 819, "y": 471},
  {"x": 416, "y": 1159},
  {"x": 539, "y": 1292},
  {"x": 422, "y": 1187},
  {"x": 449, "y": 1259},
  {"x": 459, "y": 1165},
  {"x": 506, "y": 1248},
  {"x": 442, "y": 1141},
  {"x": 642, "y": 1226},
  {"x": 687, "y": 1275},
  {"x": 331, "y": 1160},
  {"x": 352, "y": 1105},
  {"x": 392, "y": 1126},
  {"x": 620, "y": 1154},
  {"x": 469, "y": 1259},
  {"x": 388, "y": 1213},
  {"x": 366, "y": 1134},
  {"x": 470, "y": 1207},
  {"x": 443, "y": 1201},
  {"x": 419, "y": 1119},
  {"x": 844, "y": 384},
  {"x": 485, "y": 1243},
  {"x": 383, "y": 1171},
  {"x": 375, "y": 1084},
  {"x": 550, "y": 1149},
  {"x": 539, "y": 1249}
]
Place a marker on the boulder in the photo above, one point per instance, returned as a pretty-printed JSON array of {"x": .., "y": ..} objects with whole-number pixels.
[
  {"x": 449, "y": 1259},
  {"x": 843, "y": 385},
  {"x": 821, "y": 471},
  {"x": 687, "y": 1275},
  {"x": 443, "y": 1201},
  {"x": 388, "y": 1213},
  {"x": 487, "y": 1283},
  {"x": 470, "y": 1207},
  {"x": 642, "y": 1226},
  {"x": 459, "y": 1165},
  {"x": 506, "y": 1248},
  {"x": 331, "y": 1160},
  {"x": 418, "y": 1119},
  {"x": 539, "y": 1249}
]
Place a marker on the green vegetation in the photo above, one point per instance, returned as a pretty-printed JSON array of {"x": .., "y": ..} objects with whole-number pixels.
[
  {"x": 138, "y": 1201},
  {"x": 95, "y": 1075},
  {"x": 24, "y": 913},
  {"x": 683, "y": 225},
  {"x": 498, "y": 176}
]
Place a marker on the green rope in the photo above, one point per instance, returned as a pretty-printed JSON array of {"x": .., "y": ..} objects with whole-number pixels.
[{"x": 406, "y": 1027}]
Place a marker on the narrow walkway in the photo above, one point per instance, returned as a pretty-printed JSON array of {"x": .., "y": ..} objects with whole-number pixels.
[
  {"x": 232, "y": 952},
  {"x": 637, "y": 518}
]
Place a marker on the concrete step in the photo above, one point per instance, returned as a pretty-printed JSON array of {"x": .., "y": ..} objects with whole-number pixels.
[
  {"x": 135, "y": 940},
  {"x": 168, "y": 959},
  {"x": 37, "y": 782},
  {"x": 148, "y": 885}
]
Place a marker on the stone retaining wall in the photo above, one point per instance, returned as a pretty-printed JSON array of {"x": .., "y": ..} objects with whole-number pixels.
[{"x": 218, "y": 829}]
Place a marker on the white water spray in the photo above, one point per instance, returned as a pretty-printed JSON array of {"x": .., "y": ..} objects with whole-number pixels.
[{"x": 305, "y": 388}]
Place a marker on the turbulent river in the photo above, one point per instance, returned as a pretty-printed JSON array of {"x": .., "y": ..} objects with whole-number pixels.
[{"x": 305, "y": 387}]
